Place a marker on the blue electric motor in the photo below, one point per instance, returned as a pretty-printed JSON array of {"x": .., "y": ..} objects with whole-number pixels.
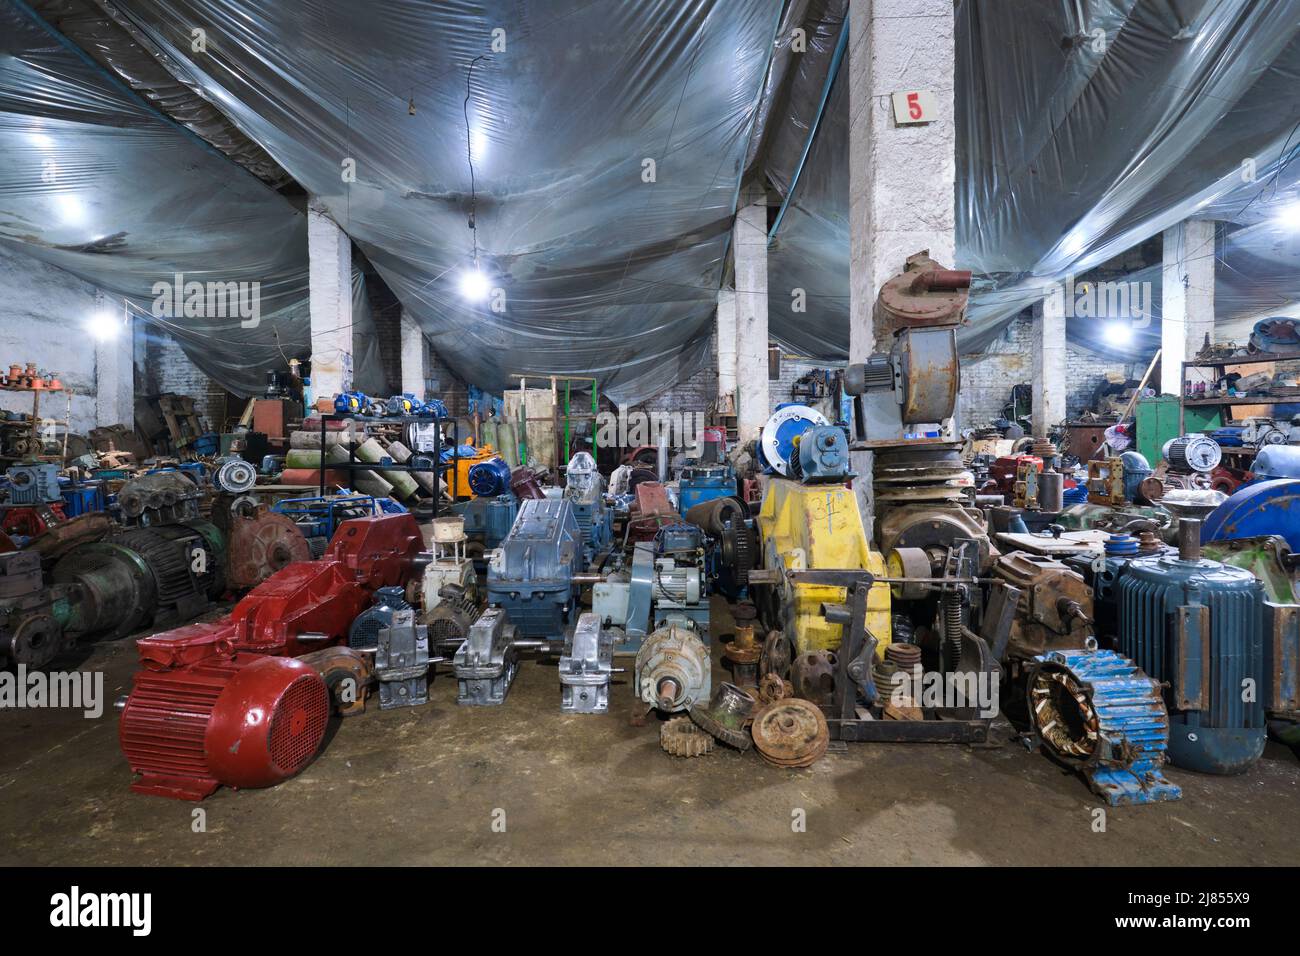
[
  {"x": 351, "y": 403},
  {"x": 821, "y": 455},
  {"x": 490, "y": 478},
  {"x": 364, "y": 633},
  {"x": 1198, "y": 625},
  {"x": 531, "y": 574}
]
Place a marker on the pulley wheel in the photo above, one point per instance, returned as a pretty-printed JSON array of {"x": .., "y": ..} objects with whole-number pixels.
[{"x": 790, "y": 733}]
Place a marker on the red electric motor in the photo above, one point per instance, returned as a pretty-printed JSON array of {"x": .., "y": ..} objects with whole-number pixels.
[{"x": 234, "y": 720}]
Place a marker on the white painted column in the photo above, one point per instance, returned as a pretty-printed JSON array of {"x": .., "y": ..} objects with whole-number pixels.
[
  {"x": 749, "y": 242},
  {"x": 329, "y": 259},
  {"x": 1048, "y": 389},
  {"x": 1187, "y": 300},
  {"x": 901, "y": 193},
  {"x": 415, "y": 358},
  {"x": 114, "y": 378},
  {"x": 726, "y": 329}
]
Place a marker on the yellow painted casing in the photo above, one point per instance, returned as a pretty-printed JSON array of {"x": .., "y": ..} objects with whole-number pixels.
[{"x": 819, "y": 526}]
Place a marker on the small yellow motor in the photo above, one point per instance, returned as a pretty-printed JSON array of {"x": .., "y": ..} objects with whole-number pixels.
[{"x": 818, "y": 526}]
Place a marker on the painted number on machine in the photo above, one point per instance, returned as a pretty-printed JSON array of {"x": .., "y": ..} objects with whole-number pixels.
[{"x": 914, "y": 106}]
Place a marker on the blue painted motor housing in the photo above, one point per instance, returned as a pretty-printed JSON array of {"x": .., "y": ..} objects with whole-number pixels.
[
  {"x": 1258, "y": 508},
  {"x": 700, "y": 481},
  {"x": 490, "y": 478},
  {"x": 1205, "y": 657},
  {"x": 531, "y": 574},
  {"x": 823, "y": 455},
  {"x": 1132, "y": 727},
  {"x": 1277, "y": 461},
  {"x": 351, "y": 403},
  {"x": 488, "y": 520},
  {"x": 364, "y": 632},
  {"x": 1136, "y": 470}
]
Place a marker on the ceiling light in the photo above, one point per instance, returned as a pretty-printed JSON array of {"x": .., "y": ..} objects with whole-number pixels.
[{"x": 474, "y": 285}]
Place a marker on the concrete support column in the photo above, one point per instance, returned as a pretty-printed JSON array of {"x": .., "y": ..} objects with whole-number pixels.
[
  {"x": 1187, "y": 300},
  {"x": 901, "y": 194},
  {"x": 726, "y": 329},
  {"x": 114, "y": 378},
  {"x": 749, "y": 242},
  {"x": 329, "y": 260},
  {"x": 415, "y": 358},
  {"x": 1049, "y": 365}
]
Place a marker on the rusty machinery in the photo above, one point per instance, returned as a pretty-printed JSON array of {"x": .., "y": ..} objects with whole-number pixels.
[
  {"x": 227, "y": 702},
  {"x": 921, "y": 485}
]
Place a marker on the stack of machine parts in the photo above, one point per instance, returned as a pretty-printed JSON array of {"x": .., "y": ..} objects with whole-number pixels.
[
  {"x": 921, "y": 484},
  {"x": 585, "y": 490},
  {"x": 532, "y": 574},
  {"x": 226, "y": 703},
  {"x": 449, "y": 589}
]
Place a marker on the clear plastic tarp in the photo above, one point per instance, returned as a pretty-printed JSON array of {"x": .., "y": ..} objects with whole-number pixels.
[
  {"x": 607, "y": 142},
  {"x": 97, "y": 183},
  {"x": 1084, "y": 128}
]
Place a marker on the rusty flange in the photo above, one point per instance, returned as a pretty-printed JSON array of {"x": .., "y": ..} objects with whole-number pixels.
[
  {"x": 813, "y": 676},
  {"x": 681, "y": 738},
  {"x": 790, "y": 733},
  {"x": 261, "y": 544},
  {"x": 772, "y": 688}
]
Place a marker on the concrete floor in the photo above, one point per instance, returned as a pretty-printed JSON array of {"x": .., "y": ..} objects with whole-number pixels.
[{"x": 422, "y": 786}]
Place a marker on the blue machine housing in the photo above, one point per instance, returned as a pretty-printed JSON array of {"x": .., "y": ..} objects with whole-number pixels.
[
  {"x": 822, "y": 453},
  {"x": 1132, "y": 732},
  {"x": 488, "y": 520},
  {"x": 33, "y": 484},
  {"x": 701, "y": 481},
  {"x": 1255, "y": 509},
  {"x": 1198, "y": 626},
  {"x": 531, "y": 574}
]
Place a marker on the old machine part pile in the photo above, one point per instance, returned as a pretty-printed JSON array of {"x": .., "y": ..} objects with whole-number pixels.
[{"x": 227, "y": 703}]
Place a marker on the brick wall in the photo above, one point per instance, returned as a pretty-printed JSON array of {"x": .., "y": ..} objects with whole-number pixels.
[
  {"x": 987, "y": 378},
  {"x": 161, "y": 365}
]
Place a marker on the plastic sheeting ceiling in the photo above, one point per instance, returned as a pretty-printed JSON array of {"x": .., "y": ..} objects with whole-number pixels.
[
  {"x": 602, "y": 273},
  {"x": 97, "y": 183},
  {"x": 1070, "y": 152}
]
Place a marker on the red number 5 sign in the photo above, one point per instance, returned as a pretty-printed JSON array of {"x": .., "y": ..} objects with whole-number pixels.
[{"x": 914, "y": 106}]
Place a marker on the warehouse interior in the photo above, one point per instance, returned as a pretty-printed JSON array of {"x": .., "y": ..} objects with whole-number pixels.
[{"x": 649, "y": 432}]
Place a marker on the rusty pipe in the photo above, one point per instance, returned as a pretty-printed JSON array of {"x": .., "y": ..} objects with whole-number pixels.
[{"x": 941, "y": 280}]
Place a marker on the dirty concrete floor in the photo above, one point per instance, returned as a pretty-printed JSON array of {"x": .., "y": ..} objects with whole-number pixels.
[{"x": 424, "y": 786}]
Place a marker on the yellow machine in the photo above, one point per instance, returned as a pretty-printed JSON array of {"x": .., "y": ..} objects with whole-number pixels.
[
  {"x": 818, "y": 526},
  {"x": 457, "y": 478}
]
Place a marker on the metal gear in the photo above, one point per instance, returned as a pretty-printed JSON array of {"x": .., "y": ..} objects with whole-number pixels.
[
  {"x": 681, "y": 738},
  {"x": 790, "y": 733}
]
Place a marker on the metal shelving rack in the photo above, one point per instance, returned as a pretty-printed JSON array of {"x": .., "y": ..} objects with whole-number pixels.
[
  {"x": 352, "y": 464},
  {"x": 36, "y": 420},
  {"x": 1255, "y": 358}
]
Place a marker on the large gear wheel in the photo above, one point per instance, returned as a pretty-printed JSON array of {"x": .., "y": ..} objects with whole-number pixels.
[
  {"x": 681, "y": 738},
  {"x": 739, "y": 550}
]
